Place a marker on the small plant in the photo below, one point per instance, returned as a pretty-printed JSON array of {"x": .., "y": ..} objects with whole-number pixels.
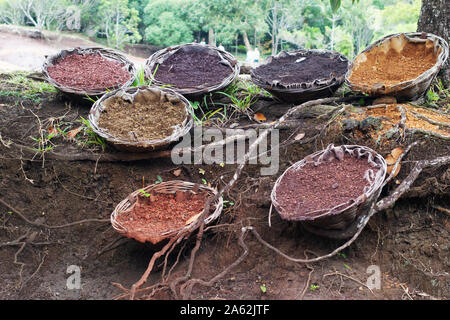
[
  {"x": 90, "y": 98},
  {"x": 432, "y": 96},
  {"x": 263, "y": 288},
  {"x": 140, "y": 80},
  {"x": 313, "y": 287},
  {"x": 227, "y": 203},
  {"x": 159, "y": 179},
  {"x": 44, "y": 142},
  {"x": 145, "y": 194}
]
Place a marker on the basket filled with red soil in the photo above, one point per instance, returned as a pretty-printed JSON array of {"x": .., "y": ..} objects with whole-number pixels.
[
  {"x": 329, "y": 189},
  {"x": 192, "y": 69},
  {"x": 88, "y": 71},
  {"x": 401, "y": 65},
  {"x": 162, "y": 210},
  {"x": 141, "y": 119},
  {"x": 301, "y": 75}
]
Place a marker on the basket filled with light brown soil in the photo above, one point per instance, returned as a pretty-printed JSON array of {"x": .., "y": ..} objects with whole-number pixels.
[
  {"x": 160, "y": 211},
  {"x": 330, "y": 188},
  {"x": 192, "y": 69},
  {"x": 401, "y": 65},
  {"x": 301, "y": 75},
  {"x": 141, "y": 119},
  {"x": 88, "y": 71}
]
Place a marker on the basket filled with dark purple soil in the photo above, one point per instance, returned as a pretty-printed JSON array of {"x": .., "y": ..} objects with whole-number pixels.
[
  {"x": 192, "y": 69},
  {"x": 88, "y": 72},
  {"x": 329, "y": 189},
  {"x": 141, "y": 119},
  {"x": 162, "y": 210},
  {"x": 401, "y": 65},
  {"x": 301, "y": 75}
]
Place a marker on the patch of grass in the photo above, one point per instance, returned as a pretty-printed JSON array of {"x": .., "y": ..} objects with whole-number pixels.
[
  {"x": 243, "y": 94},
  {"x": 89, "y": 137},
  {"x": 438, "y": 96},
  {"x": 19, "y": 85}
]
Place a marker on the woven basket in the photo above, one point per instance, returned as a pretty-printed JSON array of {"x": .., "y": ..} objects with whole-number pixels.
[
  {"x": 168, "y": 187},
  {"x": 82, "y": 93},
  {"x": 340, "y": 217},
  {"x": 192, "y": 92},
  {"x": 407, "y": 90},
  {"x": 159, "y": 94},
  {"x": 300, "y": 92}
]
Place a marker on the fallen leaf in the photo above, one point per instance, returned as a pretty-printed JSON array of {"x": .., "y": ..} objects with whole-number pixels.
[
  {"x": 72, "y": 133},
  {"x": 193, "y": 218},
  {"x": 201, "y": 171},
  {"x": 177, "y": 172},
  {"x": 300, "y": 136},
  {"x": 390, "y": 160},
  {"x": 259, "y": 116},
  {"x": 52, "y": 130},
  {"x": 396, "y": 153}
]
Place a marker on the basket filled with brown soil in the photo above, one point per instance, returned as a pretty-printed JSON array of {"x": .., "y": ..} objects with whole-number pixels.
[
  {"x": 160, "y": 211},
  {"x": 330, "y": 188},
  {"x": 88, "y": 71},
  {"x": 141, "y": 119},
  {"x": 192, "y": 69},
  {"x": 301, "y": 75},
  {"x": 401, "y": 65}
]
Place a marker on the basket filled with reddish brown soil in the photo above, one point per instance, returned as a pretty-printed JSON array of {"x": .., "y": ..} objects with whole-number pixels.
[
  {"x": 192, "y": 69},
  {"x": 330, "y": 188},
  {"x": 160, "y": 211},
  {"x": 141, "y": 119},
  {"x": 401, "y": 65},
  {"x": 301, "y": 75},
  {"x": 88, "y": 71}
]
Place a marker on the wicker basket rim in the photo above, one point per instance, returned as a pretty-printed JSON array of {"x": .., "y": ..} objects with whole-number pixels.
[
  {"x": 104, "y": 52},
  {"x": 202, "y": 89},
  {"x": 410, "y": 36},
  {"x": 375, "y": 185},
  {"x": 166, "y": 187},
  {"x": 316, "y": 84},
  {"x": 186, "y": 125}
]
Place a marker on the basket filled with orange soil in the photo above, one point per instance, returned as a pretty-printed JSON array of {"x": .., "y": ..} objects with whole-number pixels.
[
  {"x": 89, "y": 72},
  {"x": 400, "y": 65},
  {"x": 162, "y": 210},
  {"x": 141, "y": 119},
  {"x": 301, "y": 75},
  {"x": 192, "y": 69},
  {"x": 329, "y": 189},
  {"x": 399, "y": 119}
]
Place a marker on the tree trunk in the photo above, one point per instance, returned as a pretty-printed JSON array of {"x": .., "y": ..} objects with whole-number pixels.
[
  {"x": 274, "y": 29},
  {"x": 246, "y": 41},
  {"x": 434, "y": 18},
  {"x": 211, "y": 41}
]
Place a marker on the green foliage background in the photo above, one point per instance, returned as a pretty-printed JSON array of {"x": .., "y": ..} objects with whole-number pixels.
[{"x": 347, "y": 26}]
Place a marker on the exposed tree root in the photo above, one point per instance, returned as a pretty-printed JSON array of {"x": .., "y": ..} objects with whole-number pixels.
[{"x": 43, "y": 225}]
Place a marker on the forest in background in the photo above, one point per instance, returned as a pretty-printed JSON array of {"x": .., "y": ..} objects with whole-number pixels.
[{"x": 238, "y": 25}]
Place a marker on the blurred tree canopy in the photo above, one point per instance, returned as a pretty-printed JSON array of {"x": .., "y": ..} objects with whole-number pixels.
[{"x": 347, "y": 26}]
